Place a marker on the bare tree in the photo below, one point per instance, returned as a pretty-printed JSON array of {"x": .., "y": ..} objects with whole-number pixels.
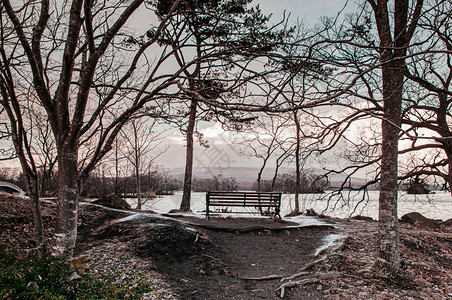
[
  {"x": 396, "y": 22},
  {"x": 395, "y": 38},
  {"x": 143, "y": 145},
  {"x": 426, "y": 110},
  {"x": 17, "y": 131},
  {"x": 226, "y": 39},
  {"x": 380, "y": 53},
  {"x": 83, "y": 65},
  {"x": 264, "y": 140},
  {"x": 65, "y": 63}
]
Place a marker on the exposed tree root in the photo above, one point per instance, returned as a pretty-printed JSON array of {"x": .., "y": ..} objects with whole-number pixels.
[
  {"x": 291, "y": 284},
  {"x": 314, "y": 278},
  {"x": 296, "y": 275},
  {"x": 310, "y": 280},
  {"x": 269, "y": 277}
]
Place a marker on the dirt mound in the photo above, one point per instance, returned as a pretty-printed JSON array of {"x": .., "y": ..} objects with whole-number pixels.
[
  {"x": 14, "y": 210},
  {"x": 94, "y": 216},
  {"x": 223, "y": 268},
  {"x": 210, "y": 263},
  {"x": 150, "y": 235},
  {"x": 172, "y": 243}
]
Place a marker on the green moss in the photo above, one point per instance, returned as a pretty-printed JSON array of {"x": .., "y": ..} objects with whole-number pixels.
[{"x": 44, "y": 278}]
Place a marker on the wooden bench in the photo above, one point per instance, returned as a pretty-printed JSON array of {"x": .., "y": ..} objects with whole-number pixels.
[{"x": 266, "y": 203}]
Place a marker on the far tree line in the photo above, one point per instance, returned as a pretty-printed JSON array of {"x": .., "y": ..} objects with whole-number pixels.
[{"x": 160, "y": 182}]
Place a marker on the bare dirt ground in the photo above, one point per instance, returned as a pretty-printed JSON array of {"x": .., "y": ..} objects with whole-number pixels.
[
  {"x": 243, "y": 258},
  {"x": 229, "y": 266}
]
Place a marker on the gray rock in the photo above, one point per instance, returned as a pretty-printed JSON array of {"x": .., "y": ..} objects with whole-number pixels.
[
  {"x": 417, "y": 218},
  {"x": 311, "y": 212},
  {"x": 362, "y": 218},
  {"x": 447, "y": 223},
  {"x": 72, "y": 277}
]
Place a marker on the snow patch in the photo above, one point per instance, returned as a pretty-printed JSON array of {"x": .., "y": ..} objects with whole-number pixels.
[
  {"x": 130, "y": 218},
  {"x": 137, "y": 216},
  {"x": 106, "y": 207},
  {"x": 302, "y": 220},
  {"x": 199, "y": 215},
  {"x": 329, "y": 241}
]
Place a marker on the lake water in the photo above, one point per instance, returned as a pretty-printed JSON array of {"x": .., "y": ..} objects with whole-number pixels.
[{"x": 434, "y": 206}]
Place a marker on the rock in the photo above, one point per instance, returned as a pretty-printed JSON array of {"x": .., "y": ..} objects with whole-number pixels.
[
  {"x": 417, "y": 218},
  {"x": 294, "y": 213},
  {"x": 363, "y": 218},
  {"x": 417, "y": 188},
  {"x": 179, "y": 211},
  {"x": 72, "y": 277},
  {"x": 113, "y": 201},
  {"x": 447, "y": 223},
  {"x": 311, "y": 212}
]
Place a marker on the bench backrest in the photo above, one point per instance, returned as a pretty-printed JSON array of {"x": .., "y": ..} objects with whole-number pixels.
[
  {"x": 270, "y": 201},
  {"x": 243, "y": 198}
]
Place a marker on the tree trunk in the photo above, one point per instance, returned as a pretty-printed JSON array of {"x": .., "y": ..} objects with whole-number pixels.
[
  {"x": 33, "y": 193},
  {"x": 116, "y": 187},
  {"x": 392, "y": 53},
  {"x": 449, "y": 175},
  {"x": 185, "y": 204},
  {"x": 68, "y": 199},
  {"x": 275, "y": 175},
  {"x": 389, "y": 246},
  {"x": 442, "y": 119},
  {"x": 259, "y": 182},
  {"x": 137, "y": 164},
  {"x": 138, "y": 182},
  {"x": 297, "y": 163}
]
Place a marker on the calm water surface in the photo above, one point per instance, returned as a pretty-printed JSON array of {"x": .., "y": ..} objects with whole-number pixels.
[{"x": 435, "y": 206}]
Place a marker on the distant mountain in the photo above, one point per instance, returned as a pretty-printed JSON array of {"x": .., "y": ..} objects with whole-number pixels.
[
  {"x": 203, "y": 173},
  {"x": 247, "y": 176}
]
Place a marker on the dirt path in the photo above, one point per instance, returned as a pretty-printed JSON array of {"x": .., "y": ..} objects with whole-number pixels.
[
  {"x": 220, "y": 271},
  {"x": 214, "y": 259}
]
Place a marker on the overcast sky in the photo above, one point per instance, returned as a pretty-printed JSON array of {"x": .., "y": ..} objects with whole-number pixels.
[{"x": 311, "y": 10}]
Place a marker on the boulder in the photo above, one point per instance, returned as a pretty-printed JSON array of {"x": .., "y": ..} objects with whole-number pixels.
[
  {"x": 311, "y": 212},
  {"x": 416, "y": 189},
  {"x": 362, "y": 218},
  {"x": 113, "y": 201},
  {"x": 447, "y": 223},
  {"x": 417, "y": 218}
]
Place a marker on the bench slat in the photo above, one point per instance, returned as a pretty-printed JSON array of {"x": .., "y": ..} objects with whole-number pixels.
[
  {"x": 247, "y": 205},
  {"x": 269, "y": 200},
  {"x": 245, "y": 199}
]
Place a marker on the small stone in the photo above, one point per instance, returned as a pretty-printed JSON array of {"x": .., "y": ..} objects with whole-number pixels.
[{"x": 72, "y": 277}]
